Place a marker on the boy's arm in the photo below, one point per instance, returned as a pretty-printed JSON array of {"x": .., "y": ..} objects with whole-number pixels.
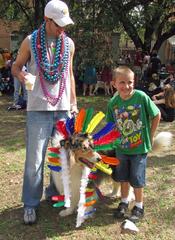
[{"x": 154, "y": 124}]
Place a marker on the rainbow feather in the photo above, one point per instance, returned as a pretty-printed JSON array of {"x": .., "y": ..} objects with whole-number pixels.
[
  {"x": 109, "y": 160},
  {"x": 80, "y": 120},
  {"x": 95, "y": 121},
  {"x": 59, "y": 204},
  {"x": 108, "y": 138},
  {"x": 98, "y": 192},
  {"x": 52, "y": 154},
  {"x": 54, "y": 168},
  {"x": 54, "y": 149},
  {"x": 61, "y": 128},
  {"x": 109, "y": 146},
  {"x": 106, "y": 129},
  {"x": 70, "y": 125},
  {"x": 53, "y": 160},
  {"x": 89, "y": 114}
]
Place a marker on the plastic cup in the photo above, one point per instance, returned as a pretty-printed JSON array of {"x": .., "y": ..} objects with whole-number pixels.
[{"x": 30, "y": 81}]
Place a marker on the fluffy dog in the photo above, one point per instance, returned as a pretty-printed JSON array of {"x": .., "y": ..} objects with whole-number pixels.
[
  {"x": 81, "y": 157},
  {"x": 75, "y": 170}
]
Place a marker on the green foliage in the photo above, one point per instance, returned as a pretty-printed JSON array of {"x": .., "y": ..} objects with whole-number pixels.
[{"x": 146, "y": 22}]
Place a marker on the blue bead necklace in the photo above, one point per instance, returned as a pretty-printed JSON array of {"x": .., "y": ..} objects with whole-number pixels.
[{"x": 51, "y": 70}]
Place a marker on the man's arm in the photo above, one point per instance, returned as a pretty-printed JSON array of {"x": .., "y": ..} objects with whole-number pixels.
[
  {"x": 22, "y": 58},
  {"x": 73, "y": 99}
]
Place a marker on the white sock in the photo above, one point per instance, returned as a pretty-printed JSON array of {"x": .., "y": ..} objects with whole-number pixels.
[
  {"x": 139, "y": 204},
  {"x": 125, "y": 200}
]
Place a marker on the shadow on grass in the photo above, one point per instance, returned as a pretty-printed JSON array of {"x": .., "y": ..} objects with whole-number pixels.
[
  {"x": 164, "y": 161},
  {"x": 49, "y": 223}
]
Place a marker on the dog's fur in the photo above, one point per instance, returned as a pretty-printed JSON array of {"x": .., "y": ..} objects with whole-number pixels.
[
  {"x": 162, "y": 141},
  {"x": 103, "y": 85},
  {"x": 75, "y": 168}
]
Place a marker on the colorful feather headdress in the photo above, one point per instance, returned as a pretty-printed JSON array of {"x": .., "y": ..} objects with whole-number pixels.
[{"x": 74, "y": 131}]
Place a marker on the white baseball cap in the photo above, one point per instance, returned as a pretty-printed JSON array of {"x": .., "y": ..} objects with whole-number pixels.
[{"x": 58, "y": 11}]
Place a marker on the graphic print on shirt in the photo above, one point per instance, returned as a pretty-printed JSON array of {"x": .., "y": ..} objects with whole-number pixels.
[{"x": 128, "y": 122}]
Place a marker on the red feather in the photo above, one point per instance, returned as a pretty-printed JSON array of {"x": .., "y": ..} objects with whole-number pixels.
[
  {"x": 61, "y": 128},
  {"x": 54, "y": 150},
  {"x": 108, "y": 138}
]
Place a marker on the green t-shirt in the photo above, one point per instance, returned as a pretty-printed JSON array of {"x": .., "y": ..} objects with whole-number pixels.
[{"x": 132, "y": 118}]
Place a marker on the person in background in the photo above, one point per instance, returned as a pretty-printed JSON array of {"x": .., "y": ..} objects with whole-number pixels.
[
  {"x": 170, "y": 80},
  {"x": 19, "y": 95},
  {"x": 136, "y": 118},
  {"x": 165, "y": 100},
  {"x": 138, "y": 60},
  {"x": 89, "y": 79},
  {"x": 2, "y": 68},
  {"x": 155, "y": 63},
  {"x": 106, "y": 77},
  {"x": 48, "y": 53}
]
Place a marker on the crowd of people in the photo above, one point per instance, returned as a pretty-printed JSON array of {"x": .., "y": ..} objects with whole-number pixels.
[
  {"x": 6, "y": 79},
  {"x": 10, "y": 84},
  {"x": 151, "y": 76}
]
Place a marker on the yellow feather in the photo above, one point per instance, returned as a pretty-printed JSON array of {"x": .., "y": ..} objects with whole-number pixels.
[{"x": 95, "y": 121}]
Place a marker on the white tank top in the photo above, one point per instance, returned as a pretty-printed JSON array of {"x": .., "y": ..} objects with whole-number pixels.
[{"x": 36, "y": 98}]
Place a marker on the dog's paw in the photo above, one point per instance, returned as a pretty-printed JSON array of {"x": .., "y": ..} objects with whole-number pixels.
[{"x": 66, "y": 212}]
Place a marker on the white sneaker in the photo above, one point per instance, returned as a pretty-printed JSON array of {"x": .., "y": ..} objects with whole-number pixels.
[{"x": 29, "y": 216}]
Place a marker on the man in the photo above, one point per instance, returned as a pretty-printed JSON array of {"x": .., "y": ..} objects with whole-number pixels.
[{"x": 49, "y": 55}]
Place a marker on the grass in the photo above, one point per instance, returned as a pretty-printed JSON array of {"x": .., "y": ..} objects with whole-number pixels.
[{"x": 159, "y": 221}]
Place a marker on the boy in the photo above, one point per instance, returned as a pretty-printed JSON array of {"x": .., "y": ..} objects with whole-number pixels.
[{"x": 137, "y": 118}]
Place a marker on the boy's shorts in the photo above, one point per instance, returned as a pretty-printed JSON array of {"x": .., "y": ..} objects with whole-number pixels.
[{"x": 132, "y": 169}]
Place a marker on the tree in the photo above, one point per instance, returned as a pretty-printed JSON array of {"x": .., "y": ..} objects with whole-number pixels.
[
  {"x": 146, "y": 22},
  {"x": 29, "y": 13}
]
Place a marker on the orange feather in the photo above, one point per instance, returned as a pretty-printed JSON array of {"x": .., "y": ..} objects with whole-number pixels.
[
  {"x": 80, "y": 120},
  {"x": 110, "y": 160}
]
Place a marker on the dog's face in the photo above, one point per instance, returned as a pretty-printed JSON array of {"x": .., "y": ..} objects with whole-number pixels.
[{"x": 79, "y": 147}]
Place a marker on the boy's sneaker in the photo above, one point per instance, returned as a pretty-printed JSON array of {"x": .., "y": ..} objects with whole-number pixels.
[
  {"x": 29, "y": 216},
  {"x": 120, "y": 212},
  {"x": 136, "y": 214}
]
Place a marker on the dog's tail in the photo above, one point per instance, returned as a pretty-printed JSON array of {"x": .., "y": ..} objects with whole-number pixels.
[{"x": 162, "y": 141}]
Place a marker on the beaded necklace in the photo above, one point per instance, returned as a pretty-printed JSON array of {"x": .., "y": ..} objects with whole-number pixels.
[{"x": 53, "y": 70}]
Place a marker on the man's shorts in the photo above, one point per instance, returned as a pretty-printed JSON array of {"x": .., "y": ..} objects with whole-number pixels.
[{"x": 132, "y": 169}]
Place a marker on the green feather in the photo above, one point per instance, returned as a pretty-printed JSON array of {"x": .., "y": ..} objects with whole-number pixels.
[
  {"x": 89, "y": 114},
  {"x": 109, "y": 146},
  {"x": 59, "y": 204},
  {"x": 52, "y": 154}
]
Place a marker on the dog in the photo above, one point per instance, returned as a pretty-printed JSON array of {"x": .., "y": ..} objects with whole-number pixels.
[
  {"x": 80, "y": 159},
  {"x": 152, "y": 87},
  {"x": 77, "y": 151},
  {"x": 108, "y": 88}
]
